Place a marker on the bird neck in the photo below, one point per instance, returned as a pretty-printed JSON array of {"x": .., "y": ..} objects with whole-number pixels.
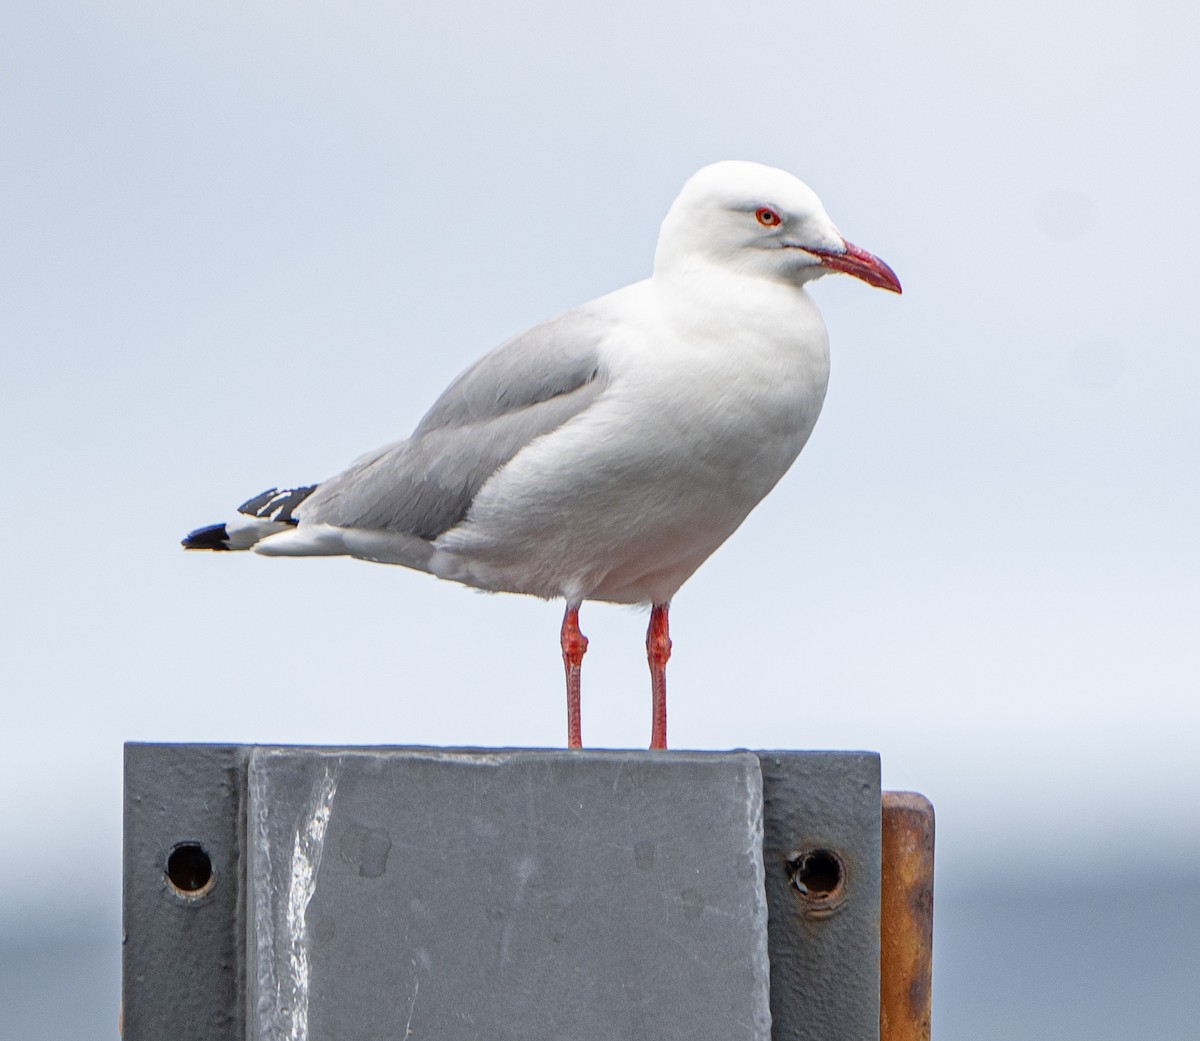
[{"x": 703, "y": 295}]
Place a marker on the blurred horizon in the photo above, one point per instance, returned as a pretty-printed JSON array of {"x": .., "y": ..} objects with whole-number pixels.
[{"x": 1007, "y": 957}]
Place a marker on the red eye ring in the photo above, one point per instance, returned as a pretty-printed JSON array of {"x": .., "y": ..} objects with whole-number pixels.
[{"x": 767, "y": 217}]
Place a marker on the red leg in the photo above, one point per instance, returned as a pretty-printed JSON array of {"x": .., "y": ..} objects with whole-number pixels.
[
  {"x": 658, "y": 650},
  {"x": 574, "y": 644}
]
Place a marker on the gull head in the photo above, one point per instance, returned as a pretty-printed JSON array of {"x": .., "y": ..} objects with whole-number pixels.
[{"x": 759, "y": 221}]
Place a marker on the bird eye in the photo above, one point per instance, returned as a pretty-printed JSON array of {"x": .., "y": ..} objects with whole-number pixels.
[{"x": 767, "y": 217}]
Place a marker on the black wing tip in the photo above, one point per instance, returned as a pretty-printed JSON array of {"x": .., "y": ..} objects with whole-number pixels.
[
  {"x": 212, "y": 537},
  {"x": 277, "y": 505}
]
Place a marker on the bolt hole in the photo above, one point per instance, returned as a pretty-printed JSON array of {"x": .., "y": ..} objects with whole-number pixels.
[
  {"x": 189, "y": 870},
  {"x": 818, "y": 878}
]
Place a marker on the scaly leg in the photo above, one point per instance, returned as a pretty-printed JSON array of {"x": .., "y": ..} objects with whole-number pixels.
[
  {"x": 574, "y": 644},
  {"x": 658, "y": 650}
]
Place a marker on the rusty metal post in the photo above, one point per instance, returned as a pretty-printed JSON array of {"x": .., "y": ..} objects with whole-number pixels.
[{"x": 906, "y": 918}]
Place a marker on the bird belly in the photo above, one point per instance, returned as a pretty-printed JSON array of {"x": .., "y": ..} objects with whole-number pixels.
[{"x": 624, "y": 502}]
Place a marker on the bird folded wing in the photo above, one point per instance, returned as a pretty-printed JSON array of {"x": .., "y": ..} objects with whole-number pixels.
[{"x": 425, "y": 485}]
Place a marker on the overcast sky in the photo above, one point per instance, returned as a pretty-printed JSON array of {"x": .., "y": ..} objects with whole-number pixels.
[{"x": 243, "y": 243}]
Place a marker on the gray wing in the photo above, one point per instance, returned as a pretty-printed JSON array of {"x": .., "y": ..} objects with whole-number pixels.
[{"x": 425, "y": 485}]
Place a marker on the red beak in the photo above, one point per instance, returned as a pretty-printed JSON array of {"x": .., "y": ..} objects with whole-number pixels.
[{"x": 860, "y": 264}]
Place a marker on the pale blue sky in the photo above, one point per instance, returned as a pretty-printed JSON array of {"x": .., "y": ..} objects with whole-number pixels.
[{"x": 245, "y": 243}]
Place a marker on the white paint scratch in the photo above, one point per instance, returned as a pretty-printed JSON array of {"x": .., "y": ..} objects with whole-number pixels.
[
  {"x": 412, "y": 1005},
  {"x": 267, "y": 996},
  {"x": 306, "y": 863}
]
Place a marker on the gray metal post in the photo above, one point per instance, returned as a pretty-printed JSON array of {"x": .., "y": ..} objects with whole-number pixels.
[{"x": 352, "y": 893}]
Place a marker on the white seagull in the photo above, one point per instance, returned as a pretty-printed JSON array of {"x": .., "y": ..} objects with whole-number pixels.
[{"x": 605, "y": 453}]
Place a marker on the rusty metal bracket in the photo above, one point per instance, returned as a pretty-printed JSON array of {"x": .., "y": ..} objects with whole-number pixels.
[{"x": 906, "y": 918}]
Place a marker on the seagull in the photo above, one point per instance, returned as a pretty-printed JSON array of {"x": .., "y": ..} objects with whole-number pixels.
[{"x": 606, "y": 453}]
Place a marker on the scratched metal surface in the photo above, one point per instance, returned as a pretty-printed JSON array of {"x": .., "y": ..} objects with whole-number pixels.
[
  {"x": 512, "y": 895},
  {"x": 507, "y": 894}
]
